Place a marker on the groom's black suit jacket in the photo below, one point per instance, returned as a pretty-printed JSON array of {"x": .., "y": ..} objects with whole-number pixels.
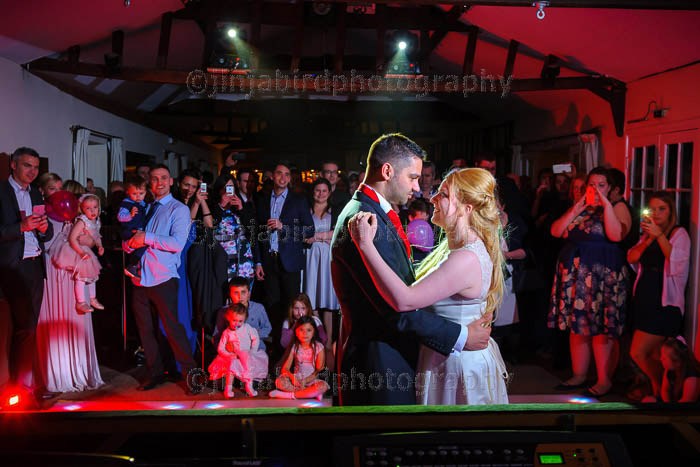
[{"x": 377, "y": 350}]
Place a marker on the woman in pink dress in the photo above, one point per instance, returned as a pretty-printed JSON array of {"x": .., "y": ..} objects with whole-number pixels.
[{"x": 66, "y": 345}]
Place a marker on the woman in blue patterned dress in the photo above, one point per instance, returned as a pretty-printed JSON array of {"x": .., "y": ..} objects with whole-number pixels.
[{"x": 590, "y": 283}]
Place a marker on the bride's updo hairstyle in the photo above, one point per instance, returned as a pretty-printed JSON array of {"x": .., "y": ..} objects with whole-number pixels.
[{"x": 475, "y": 187}]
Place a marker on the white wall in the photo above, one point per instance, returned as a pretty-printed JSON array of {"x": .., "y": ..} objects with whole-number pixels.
[{"x": 33, "y": 113}]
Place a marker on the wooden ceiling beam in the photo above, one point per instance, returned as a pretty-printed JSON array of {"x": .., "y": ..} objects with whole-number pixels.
[
  {"x": 470, "y": 51},
  {"x": 285, "y": 14},
  {"x": 451, "y": 22},
  {"x": 166, "y": 25},
  {"x": 510, "y": 60},
  {"x": 340, "y": 40},
  {"x": 118, "y": 42},
  {"x": 119, "y": 110},
  {"x": 255, "y": 32},
  {"x": 257, "y": 82},
  {"x": 616, "y": 4},
  {"x": 298, "y": 44},
  {"x": 381, "y": 14}
]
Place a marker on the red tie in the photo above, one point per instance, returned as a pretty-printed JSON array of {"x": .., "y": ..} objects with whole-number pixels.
[{"x": 393, "y": 217}]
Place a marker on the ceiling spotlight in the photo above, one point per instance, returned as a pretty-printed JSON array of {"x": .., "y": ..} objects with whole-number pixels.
[
  {"x": 232, "y": 33},
  {"x": 402, "y": 45},
  {"x": 127, "y": 3},
  {"x": 540, "y": 8}
]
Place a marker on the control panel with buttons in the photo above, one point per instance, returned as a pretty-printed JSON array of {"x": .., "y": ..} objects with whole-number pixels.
[{"x": 492, "y": 449}]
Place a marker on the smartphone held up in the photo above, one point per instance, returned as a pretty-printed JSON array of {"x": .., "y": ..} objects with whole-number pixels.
[
  {"x": 562, "y": 168},
  {"x": 591, "y": 198},
  {"x": 39, "y": 210}
]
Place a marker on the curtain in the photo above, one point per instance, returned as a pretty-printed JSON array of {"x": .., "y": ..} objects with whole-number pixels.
[
  {"x": 118, "y": 161},
  {"x": 80, "y": 155},
  {"x": 588, "y": 152},
  {"x": 173, "y": 162},
  {"x": 517, "y": 160}
]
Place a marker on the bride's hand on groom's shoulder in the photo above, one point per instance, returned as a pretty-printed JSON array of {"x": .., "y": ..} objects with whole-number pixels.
[
  {"x": 363, "y": 227},
  {"x": 479, "y": 333}
]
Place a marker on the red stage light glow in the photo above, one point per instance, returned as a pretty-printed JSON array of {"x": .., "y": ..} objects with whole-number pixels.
[{"x": 13, "y": 400}]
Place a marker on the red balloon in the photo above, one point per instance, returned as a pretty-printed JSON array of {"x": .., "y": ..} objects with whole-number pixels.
[{"x": 62, "y": 206}]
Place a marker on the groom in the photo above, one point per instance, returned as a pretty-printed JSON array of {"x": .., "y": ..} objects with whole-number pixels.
[{"x": 377, "y": 350}]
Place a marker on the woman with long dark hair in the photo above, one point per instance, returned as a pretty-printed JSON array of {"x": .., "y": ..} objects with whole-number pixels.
[
  {"x": 230, "y": 221},
  {"x": 590, "y": 284}
]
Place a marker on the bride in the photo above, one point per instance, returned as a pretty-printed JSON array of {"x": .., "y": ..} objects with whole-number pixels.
[{"x": 461, "y": 280}]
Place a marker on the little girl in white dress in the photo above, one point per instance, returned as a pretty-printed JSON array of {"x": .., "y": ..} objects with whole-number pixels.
[
  {"x": 239, "y": 353},
  {"x": 73, "y": 252}
]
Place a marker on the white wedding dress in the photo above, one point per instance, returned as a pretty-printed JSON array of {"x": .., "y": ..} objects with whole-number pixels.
[{"x": 470, "y": 377}]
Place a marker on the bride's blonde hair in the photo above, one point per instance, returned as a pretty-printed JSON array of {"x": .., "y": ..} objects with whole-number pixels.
[{"x": 475, "y": 187}]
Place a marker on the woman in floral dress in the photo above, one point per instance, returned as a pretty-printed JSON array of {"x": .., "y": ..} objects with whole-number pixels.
[
  {"x": 590, "y": 283},
  {"x": 230, "y": 229}
]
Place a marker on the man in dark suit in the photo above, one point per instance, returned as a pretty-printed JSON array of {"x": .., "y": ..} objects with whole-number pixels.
[
  {"x": 338, "y": 198},
  {"x": 284, "y": 222},
  {"x": 377, "y": 350},
  {"x": 23, "y": 231}
]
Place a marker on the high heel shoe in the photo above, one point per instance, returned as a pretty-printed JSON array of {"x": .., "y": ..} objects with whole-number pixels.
[{"x": 96, "y": 305}]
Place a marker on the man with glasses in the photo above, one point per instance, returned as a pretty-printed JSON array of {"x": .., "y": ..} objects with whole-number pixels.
[{"x": 339, "y": 198}]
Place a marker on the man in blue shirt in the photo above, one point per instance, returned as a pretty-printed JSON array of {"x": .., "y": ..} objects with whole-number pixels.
[{"x": 167, "y": 228}]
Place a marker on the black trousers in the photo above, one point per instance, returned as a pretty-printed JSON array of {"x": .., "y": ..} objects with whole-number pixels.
[
  {"x": 163, "y": 298},
  {"x": 23, "y": 287},
  {"x": 280, "y": 287}
]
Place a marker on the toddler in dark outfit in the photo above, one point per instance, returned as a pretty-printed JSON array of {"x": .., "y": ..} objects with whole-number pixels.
[{"x": 132, "y": 216}]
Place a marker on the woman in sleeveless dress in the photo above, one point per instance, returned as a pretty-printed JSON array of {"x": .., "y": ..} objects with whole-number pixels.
[
  {"x": 67, "y": 356},
  {"x": 461, "y": 280},
  {"x": 590, "y": 283},
  {"x": 662, "y": 260}
]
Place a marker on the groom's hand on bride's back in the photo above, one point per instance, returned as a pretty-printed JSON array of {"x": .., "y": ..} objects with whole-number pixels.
[{"x": 479, "y": 333}]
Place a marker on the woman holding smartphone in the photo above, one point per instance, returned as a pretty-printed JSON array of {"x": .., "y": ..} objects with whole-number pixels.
[
  {"x": 231, "y": 228},
  {"x": 661, "y": 259},
  {"x": 590, "y": 283}
]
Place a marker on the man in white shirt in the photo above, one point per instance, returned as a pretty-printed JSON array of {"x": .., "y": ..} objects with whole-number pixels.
[{"x": 23, "y": 230}]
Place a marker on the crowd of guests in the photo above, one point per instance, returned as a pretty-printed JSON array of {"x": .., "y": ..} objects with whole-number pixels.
[{"x": 198, "y": 249}]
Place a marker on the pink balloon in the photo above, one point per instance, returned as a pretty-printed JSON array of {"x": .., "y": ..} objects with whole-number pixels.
[
  {"x": 62, "y": 206},
  {"x": 420, "y": 234}
]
